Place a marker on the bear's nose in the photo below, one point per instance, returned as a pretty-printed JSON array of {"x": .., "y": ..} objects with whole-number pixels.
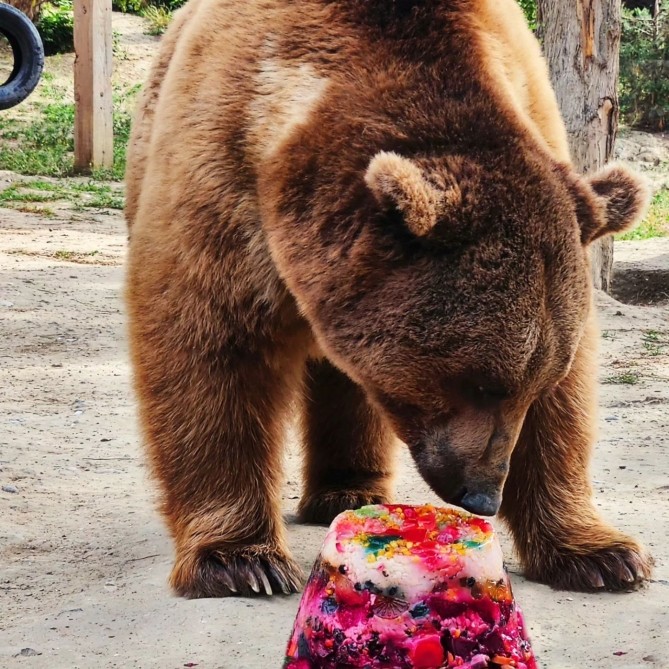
[{"x": 480, "y": 503}]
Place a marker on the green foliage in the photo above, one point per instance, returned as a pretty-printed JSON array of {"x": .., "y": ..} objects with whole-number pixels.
[
  {"x": 128, "y": 6},
  {"x": 42, "y": 145},
  {"x": 159, "y": 18},
  {"x": 644, "y": 70},
  {"x": 80, "y": 195},
  {"x": 644, "y": 66},
  {"x": 124, "y": 104},
  {"x": 172, "y": 5},
  {"x": 141, "y": 6},
  {"x": 656, "y": 224},
  {"x": 56, "y": 27},
  {"x": 628, "y": 378},
  {"x": 530, "y": 9}
]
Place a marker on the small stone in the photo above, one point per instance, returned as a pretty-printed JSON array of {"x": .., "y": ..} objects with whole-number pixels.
[
  {"x": 28, "y": 652},
  {"x": 650, "y": 156},
  {"x": 9, "y": 488},
  {"x": 650, "y": 658}
]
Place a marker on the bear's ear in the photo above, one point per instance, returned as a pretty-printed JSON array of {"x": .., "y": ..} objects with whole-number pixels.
[
  {"x": 398, "y": 182},
  {"x": 610, "y": 201}
]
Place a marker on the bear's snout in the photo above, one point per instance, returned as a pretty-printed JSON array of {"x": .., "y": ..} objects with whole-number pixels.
[
  {"x": 481, "y": 503},
  {"x": 465, "y": 460}
]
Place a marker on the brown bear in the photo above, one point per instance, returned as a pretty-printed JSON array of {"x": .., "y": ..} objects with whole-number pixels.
[{"x": 365, "y": 210}]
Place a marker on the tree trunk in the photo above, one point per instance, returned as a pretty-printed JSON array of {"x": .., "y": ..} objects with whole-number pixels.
[
  {"x": 582, "y": 45},
  {"x": 656, "y": 19},
  {"x": 31, "y": 8}
]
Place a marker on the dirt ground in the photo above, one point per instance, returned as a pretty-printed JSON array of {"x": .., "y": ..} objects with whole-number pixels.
[{"x": 84, "y": 557}]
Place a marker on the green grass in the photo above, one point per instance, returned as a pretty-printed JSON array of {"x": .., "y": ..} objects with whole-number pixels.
[
  {"x": 41, "y": 185},
  {"x": 43, "y": 144},
  {"x": 44, "y": 212},
  {"x": 652, "y": 336},
  {"x": 11, "y": 194},
  {"x": 71, "y": 255},
  {"x": 624, "y": 378},
  {"x": 64, "y": 255},
  {"x": 653, "y": 349},
  {"x": 653, "y": 342},
  {"x": 102, "y": 201},
  {"x": 656, "y": 223},
  {"x": 84, "y": 195}
]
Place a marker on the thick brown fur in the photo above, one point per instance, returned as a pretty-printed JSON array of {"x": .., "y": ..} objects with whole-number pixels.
[{"x": 365, "y": 208}]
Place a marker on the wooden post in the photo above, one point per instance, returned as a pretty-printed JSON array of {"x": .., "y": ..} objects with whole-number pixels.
[
  {"x": 93, "y": 130},
  {"x": 582, "y": 44}
]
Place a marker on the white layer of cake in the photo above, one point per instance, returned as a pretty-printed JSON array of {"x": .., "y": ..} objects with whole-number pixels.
[{"x": 408, "y": 573}]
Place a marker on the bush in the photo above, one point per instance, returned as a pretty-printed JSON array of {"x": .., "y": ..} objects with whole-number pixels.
[
  {"x": 644, "y": 70},
  {"x": 56, "y": 27},
  {"x": 141, "y": 6},
  {"x": 128, "y": 6},
  {"x": 167, "y": 4},
  {"x": 159, "y": 18},
  {"x": 530, "y": 9}
]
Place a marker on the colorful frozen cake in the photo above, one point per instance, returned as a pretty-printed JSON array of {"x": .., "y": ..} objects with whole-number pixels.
[{"x": 404, "y": 587}]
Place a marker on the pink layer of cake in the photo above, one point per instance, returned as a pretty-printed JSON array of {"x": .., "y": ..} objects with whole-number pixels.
[{"x": 400, "y": 587}]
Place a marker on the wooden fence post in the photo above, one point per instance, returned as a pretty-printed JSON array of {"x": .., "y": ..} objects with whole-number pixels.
[{"x": 93, "y": 129}]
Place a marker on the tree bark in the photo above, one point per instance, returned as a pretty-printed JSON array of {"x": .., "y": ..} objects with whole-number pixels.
[
  {"x": 31, "y": 8},
  {"x": 581, "y": 41}
]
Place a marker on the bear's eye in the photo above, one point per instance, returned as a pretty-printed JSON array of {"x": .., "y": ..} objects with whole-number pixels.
[
  {"x": 482, "y": 390},
  {"x": 491, "y": 393},
  {"x": 396, "y": 406}
]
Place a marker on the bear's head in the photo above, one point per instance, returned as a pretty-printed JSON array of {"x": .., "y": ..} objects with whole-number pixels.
[
  {"x": 455, "y": 290},
  {"x": 495, "y": 308}
]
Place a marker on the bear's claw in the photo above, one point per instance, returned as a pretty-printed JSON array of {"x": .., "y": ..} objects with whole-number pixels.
[
  {"x": 622, "y": 566},
  {"x": 244, "y": 572},
  {"x": 321, "y": 508}
]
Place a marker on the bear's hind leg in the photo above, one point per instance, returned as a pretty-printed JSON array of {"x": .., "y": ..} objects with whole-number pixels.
[
  {"x": 561, "y": 539},
  {"x": 348, "y": 447}
]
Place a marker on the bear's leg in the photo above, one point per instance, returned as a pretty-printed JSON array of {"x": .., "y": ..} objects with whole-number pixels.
[
  {"x": 215, "y": 442},
  {"x": 560, "y": 537},
  {"x": 348, "y": 448},
  {"x": 213, "y": 405}
]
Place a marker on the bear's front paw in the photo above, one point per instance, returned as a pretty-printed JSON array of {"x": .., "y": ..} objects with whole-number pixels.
[
  {"x": 244, "y": 572},
  {"x": 622, "y": 565},
  {"x": 321, "y": 508}
]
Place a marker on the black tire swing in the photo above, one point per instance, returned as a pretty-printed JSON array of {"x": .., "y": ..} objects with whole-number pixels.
[{"x": 28, "y": 54}]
